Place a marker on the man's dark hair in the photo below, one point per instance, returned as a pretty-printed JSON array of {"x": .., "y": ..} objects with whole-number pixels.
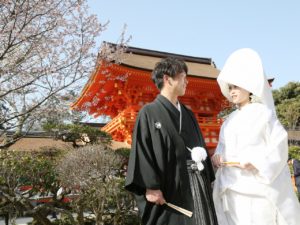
[{"x": 169, "y": 66}]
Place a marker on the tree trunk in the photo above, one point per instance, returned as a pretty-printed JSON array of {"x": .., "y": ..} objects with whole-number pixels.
[
  {"x": 80, "y": 217},
  {"x": 98, "y": 218},
  {"x": 6, "y": 218}
]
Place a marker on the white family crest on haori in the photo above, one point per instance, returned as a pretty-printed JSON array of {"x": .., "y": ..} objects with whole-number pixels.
[
  {"x": 199, "y": 154},
  {"x": 157, "y": 125}
]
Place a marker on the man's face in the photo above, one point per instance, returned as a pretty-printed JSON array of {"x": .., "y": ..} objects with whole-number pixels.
[{"x": 178, "y": 84}]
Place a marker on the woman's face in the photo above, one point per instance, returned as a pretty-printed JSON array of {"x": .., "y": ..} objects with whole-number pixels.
[{"x": 239, "y": 96}]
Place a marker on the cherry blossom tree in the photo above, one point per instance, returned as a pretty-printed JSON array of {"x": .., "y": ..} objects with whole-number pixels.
[{"x": 47, "y": 52}]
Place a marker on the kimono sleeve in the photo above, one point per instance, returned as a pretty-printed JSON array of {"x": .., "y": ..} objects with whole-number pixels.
[
  {"x": 142, "y": 169},
  {"x": 220, "y": 147},
  {"x": 275, "y": 158}
]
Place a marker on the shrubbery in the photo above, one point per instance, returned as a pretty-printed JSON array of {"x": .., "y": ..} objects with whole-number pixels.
[
  {"x": 73, "y": 132},
  {"x": 91, "y": 177}
]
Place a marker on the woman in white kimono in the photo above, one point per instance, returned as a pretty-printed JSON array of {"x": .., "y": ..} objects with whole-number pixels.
[{"x": 253, "y": 182}]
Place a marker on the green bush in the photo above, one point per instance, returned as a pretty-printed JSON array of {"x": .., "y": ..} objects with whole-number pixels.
[
  {"x": 124, "y": 152},
  {"x": 72, "y": 132},
  {"x": 63, "y": 221},
  {"x": 294, "y": 152}
]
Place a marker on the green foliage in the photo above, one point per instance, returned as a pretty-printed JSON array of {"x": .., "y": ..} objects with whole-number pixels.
[
  {"x": 288, "y": 112},
  {"x": 72, "y": 132},
  {"x": 124, "y": 152},
  {"x": 62, "y": 221},
  {"x": 27, "y": 168},
  {"x": 287, "y": 102},
  {"x": 125, "y": 220},
  {"x": 25, "y": 176},
  {"x": 92, "y": 174},
  {"x": 289, "y": 91},
  {"x": 294, "y": 152}
]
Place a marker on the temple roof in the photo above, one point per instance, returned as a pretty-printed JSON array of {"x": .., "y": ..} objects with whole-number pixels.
[
  {"x": 146, "y": 59},
  {"x": 141, "y": 61}
]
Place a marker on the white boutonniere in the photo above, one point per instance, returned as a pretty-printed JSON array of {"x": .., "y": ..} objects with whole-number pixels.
[{"x": 198, "y": 155}]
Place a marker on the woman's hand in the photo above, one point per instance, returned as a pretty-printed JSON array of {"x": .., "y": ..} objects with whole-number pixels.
[
  {"x": 155, "y": 196},
  {"x": 217, "y": 160},
  {"x": 245, "y": 166}
]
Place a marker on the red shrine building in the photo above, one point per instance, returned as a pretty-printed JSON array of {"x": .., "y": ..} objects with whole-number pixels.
[{"x": 119, "y": 90}]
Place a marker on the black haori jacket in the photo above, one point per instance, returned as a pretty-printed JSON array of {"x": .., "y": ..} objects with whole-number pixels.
[{"x": 158, "y": 161}]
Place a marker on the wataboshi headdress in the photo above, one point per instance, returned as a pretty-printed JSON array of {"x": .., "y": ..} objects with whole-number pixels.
[{"x": 244, "y": 69}]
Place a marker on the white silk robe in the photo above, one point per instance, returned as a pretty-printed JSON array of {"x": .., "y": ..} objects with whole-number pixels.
[{"x": 253, "y": 134}]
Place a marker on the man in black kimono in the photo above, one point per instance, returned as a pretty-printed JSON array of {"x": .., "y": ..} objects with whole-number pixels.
[{"x": 160, "y": 168}]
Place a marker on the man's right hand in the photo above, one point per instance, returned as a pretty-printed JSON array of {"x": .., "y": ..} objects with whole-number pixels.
[{"x": 155, "y": 196}]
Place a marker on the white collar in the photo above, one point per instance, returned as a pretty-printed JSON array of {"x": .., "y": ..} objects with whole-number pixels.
[{"x": 180, "y": 116}]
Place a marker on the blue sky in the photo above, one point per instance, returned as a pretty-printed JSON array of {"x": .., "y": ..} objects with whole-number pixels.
[{"x": 211, "y": 28}]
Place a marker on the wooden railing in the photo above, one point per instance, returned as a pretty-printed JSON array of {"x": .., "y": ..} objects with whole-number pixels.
[{"x": 121, "y": 127}]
